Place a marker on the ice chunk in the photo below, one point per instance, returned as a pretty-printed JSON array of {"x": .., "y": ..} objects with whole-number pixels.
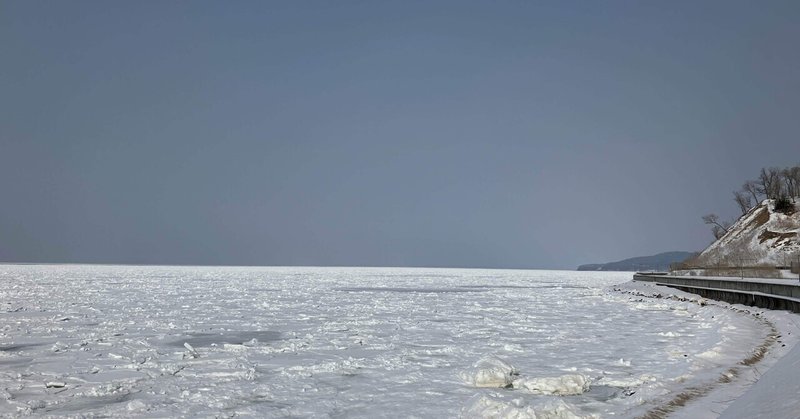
[
  {"x": 491, "y": 407},
  {"x": 565, "y": 385},
  {"x": 136, "y": 406},
  {"x": 191, "y": 350},
  {"x": 490, "y": 372},
  {"x": 626, "y": 382}
]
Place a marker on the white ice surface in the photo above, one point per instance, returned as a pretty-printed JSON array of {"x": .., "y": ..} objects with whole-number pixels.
[{"x": 353, "y": 342}]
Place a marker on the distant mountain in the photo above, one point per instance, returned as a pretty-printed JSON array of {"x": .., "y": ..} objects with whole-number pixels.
[{"x": 659, "y": 262}]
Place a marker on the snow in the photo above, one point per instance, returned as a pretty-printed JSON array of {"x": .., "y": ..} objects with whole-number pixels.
[
  {"x": 780, "y": 386},
  {"x": 761, "y": 237},
  {"x": 154, "y": 341},
  {"x": 774, "y": 394}
]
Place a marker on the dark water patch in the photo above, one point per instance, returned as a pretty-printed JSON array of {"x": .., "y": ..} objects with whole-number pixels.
[
  {"x": 574, "y": 287},
  {"x": 419, "y": 275},
  {"x": 602, "y": 393},
  {"x": 412, "y": 276},
  {"x": 17, "y": 347},
  {"x": 15, "y": 362},
  {"x": 88, "y": 403},
  {"x": 407, "y": 290},
  {"x": 199, "y": 340},
  {"x": 262, "y": 400}
]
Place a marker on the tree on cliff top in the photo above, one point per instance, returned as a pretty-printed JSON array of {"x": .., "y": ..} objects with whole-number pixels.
[
  {"x": 719, "y": 228},
  {"x": 772, "y": 183}
]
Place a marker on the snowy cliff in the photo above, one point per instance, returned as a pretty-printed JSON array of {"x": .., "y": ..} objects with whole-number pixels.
[{"x": 761, "y": 237}]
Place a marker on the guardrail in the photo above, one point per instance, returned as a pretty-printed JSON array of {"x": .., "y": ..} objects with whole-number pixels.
[
  {"x": 742, "y": 271},
  {"x": 789, "y": 263}
]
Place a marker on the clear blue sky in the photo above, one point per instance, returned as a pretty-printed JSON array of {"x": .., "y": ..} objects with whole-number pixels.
[{"x": 478, "y": 134}]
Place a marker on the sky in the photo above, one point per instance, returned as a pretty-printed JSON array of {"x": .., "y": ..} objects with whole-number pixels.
[{"x": 503, "y": 134}]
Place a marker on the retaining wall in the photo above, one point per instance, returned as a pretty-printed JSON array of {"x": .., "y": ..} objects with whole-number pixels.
[{"x": 783, "y": 295}]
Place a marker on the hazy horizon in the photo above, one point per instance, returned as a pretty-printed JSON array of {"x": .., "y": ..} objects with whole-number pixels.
[
  {"x": 447, "y": 134},
  {"x": 111, "y": 263}
]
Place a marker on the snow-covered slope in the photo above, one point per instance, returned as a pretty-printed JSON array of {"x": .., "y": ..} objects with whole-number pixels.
[{"x": 761, "y": 237}]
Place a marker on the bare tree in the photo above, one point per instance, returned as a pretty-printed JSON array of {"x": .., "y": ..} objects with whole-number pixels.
[
  {"x": 791, "y": 181},
  {"x": 769, "y": 182},
  {"x": 772, "y": 183},
  {"x": 743, "y": 200},
  {"x": 718, "y": 228},
  {"x": 751, "y": 187}
]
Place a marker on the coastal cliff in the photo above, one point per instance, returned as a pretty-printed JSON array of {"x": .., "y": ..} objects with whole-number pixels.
[{"x": 762, "y": 237}]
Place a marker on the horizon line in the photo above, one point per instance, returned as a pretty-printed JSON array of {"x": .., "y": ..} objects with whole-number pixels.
[{"x": 282, "y": 266}]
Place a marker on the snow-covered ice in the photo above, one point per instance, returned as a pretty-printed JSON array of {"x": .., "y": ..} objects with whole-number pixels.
[{"x": 354, "y": 342}]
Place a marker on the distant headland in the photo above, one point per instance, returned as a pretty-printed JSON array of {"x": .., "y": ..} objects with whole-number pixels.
[{"x": 659, "y": 262}]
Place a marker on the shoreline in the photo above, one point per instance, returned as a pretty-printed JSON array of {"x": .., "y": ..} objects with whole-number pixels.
[
  {"x": 739, "y": 392},
  {"x": 773, "y": 294},
  {"x": 779, "y": 384}
]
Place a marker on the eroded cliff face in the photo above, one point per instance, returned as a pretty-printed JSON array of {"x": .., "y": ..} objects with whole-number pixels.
[{"x": 761, "y": 237}]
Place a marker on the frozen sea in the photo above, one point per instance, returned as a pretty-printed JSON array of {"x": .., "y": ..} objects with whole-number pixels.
[{"x": 160, "y": 341}]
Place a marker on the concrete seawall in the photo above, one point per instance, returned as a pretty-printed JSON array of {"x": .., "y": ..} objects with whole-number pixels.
[{"x": 773, "y": 294}]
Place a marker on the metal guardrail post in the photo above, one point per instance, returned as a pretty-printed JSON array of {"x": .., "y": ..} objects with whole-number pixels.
[{"x": 742, "y": 263}]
